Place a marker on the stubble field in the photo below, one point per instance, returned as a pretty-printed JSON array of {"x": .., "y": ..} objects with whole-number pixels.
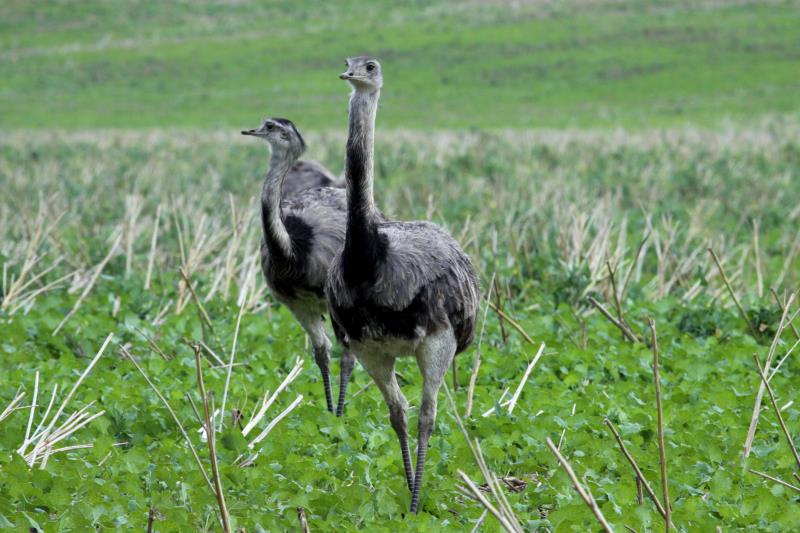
[{"x": 93, "y": 216}]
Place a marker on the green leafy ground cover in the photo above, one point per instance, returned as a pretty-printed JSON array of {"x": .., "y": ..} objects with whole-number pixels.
[
  {"x": 542, "y": 211},
  {"x": 472, "y": 64}
]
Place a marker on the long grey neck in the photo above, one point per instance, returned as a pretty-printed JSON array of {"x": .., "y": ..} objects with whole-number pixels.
[
  {"x": 362, "y": 215},
  {"x": 275, "y": 234}
]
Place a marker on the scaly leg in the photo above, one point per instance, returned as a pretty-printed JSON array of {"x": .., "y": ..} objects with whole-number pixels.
[
  {"x": 381, "y": 370},
  {"x": 314, "y": 325},
  {"x": 322, "y": 358},
  {"x": 433, "y": 357},
  {"x": 348, "y": 361}
]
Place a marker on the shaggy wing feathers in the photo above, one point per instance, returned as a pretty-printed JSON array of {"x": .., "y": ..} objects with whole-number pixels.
[
  {"x": 308, "y": 175},
  {"x": 424, "y": 277},
  {"x": 315, "y": 220},
  {"x": 424, "y": 256}
]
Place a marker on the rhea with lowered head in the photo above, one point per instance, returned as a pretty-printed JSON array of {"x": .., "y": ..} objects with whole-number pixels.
[
  {"x": 301, "y": 235},
  {"x": 396, "y": 288}
]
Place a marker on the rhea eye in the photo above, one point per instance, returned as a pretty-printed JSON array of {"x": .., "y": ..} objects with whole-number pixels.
[
  {"x": 269, "y": 127},
  {"x": 370, "y": 67}
]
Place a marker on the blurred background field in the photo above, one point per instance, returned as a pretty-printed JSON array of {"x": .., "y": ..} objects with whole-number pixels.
[
  {"x": 565, "y": 144},
  {"x": 473, "y": 64}
]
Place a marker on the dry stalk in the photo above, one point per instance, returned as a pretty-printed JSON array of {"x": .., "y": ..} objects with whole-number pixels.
[
  {"x": 626, "y": 332},
  {"x": 751, "y": 431},
  {"x": 152, "y": 343},
  {"x": 204, "y": 318},
  {"x": 133, "y": 208},
  {"x": 578, "y": 487},
  {"x": 776, "y": 480},
  {"x": 212, "y": 446},
  {"x": 662, "y": 453},
  {"x": 40, "y": 234},
  {"x": 777, "y": 410},
  {"x": 174, "y": 416},
  {"x": 504, "y": 316},
  {"x": 46, "y": 436},
  {"x": 98, "y": 269},
  {"x": 782, "y": 307},
  {"x": 13, "y": 406},
  {"x": 480, "y": 520},
  {"x": 230, "y": 363},
  {"x": 524, "y": 379},
  {"x": 757, "y": 261},
  {"x": 505, "y": 514},
  {"x": 301, "y": 516},
  {"x": 633, "y": 265},
  {"x": 643, "y": 483},
  {"x": 266, "y": 403},
  {"x": 742, "y": 312},
  {"x": 476, "y": 493},
  {"x": 151, "y": 258},
  {"x": 476, "y": 363}
]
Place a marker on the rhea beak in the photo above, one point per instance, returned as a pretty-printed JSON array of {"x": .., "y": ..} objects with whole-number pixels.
[
  {"x": 346, "y": 76},
  {"x": 249, "y": 132}
]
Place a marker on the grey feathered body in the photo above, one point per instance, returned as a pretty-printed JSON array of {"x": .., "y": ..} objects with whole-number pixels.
[
  {"x": 315, "y": 220},
  {"x": 305, "y": 175},
  {"x": 414, "y": 282}
]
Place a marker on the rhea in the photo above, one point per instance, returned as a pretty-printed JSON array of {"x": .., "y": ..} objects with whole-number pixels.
[
  {"x": 301, "y": 235},
  {"x": 308, "y": 174},
  {"x": 396, "y": 288}
]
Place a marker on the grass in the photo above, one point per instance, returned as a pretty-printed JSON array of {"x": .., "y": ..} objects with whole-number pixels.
[
  {"x": 660, "y": 183},
  {"x": 542, "y": 211},
  {"x": 472, "y": 65}
]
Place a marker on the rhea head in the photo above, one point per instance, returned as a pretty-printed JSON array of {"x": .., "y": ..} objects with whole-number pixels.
[
  {"x": 282, "y": 136},
  {"x": 363, "y": 73}
]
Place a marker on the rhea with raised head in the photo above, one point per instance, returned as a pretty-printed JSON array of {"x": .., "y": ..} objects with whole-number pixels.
[
  {"x": 301, "y": 235},
  {"x": 396, "y": 288}
]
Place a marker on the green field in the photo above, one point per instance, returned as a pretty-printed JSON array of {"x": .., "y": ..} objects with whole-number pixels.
[
  {"x": 556, "y": 141},
  {"x": 474, "y": 64}
]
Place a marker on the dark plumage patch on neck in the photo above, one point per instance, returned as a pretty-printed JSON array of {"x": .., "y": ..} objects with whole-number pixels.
[
  {"x": 364, "y": 250},
  {"x": 364, "y": 247},
  {"x": 286, "y": 275}
]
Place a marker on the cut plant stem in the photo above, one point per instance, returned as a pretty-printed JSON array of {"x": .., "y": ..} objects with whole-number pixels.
[
  {"x": 776, "y": 480},
  {"x": 751, "y": 430},
  {"x": 161, "y": 397},
  {"x": 301, "y": 516},
  {"x": 476, "y": 362},
  {"x": 626, "y": 332},
  {"x": 230, "y": 363},
  {"x": 777, "y": 410},
  {"x": 782, "y": 307},
  {"x": 151, "y": 259},
  {"x": 662, "y": 453},
  {"x": 515, "y": 397},
  {"x": 639, "y": 475},
  {"x": 580, "y": 488},
  {"x": 502, "y": 314},
  {"x": 212, "y": 447},
  {"x": 78, "y": 383},
  {"x": 742, "y": 312},
  {"x": 98, "y": 269},
  {"x": 200, "y": 309}
]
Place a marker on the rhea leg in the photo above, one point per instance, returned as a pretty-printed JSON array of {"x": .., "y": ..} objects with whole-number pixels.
[
  {"x": 348, "y": 361},
  {"x": 381, "y": 370},
  {"x": 433, "y": 357},
  {"x": 315, "y": 328}
]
